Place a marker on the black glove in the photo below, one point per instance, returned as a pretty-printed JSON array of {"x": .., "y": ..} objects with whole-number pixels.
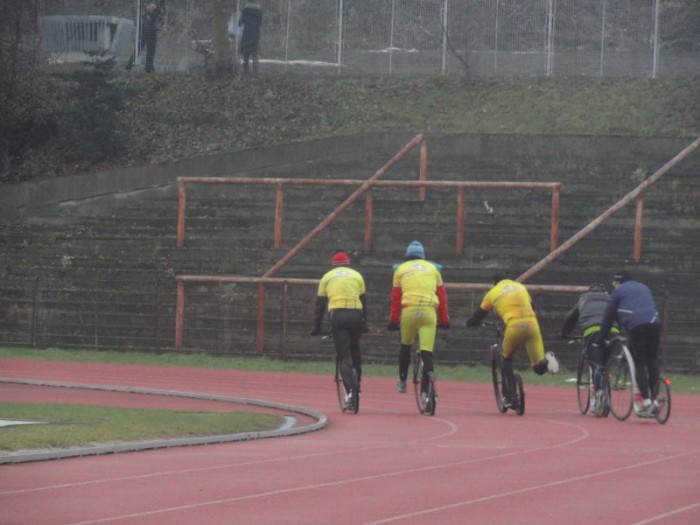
[
  {"x": 471, "y": 322},
  {"x": 563, "y": 336},
  {"x": 392, "y": 327},
  {"x": 365, "y": 328},
  {"x": 444, "y": 326}
]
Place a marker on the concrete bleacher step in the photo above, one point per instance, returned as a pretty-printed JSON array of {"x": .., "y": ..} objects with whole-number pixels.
[{"x": 119, "y": 263}]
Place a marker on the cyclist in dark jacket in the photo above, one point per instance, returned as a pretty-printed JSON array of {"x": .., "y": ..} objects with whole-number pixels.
[
  {"x": 632, "y": 304},
  {"x": 588, "y": 314}
]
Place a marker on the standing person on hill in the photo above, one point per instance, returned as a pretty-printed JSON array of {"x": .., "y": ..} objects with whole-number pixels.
[
  {"x": 512, "y": 302},
  {"x": 251, "y": 20},
  {"x": 587, "y": 313},
  {"x": 633, "y": 305},
  {"x": 341, "y": 292},
  {"x": 418, "y": 306},
  {"x": 149, "y": 34}
]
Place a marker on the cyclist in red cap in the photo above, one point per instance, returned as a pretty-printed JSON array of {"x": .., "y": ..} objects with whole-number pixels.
[{"x": 342, "y": 293}]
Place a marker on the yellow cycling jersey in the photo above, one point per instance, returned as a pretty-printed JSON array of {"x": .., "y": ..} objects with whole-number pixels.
[
  {"x": 343, "y": 286},
  {"x": 418, "y": 280},
  {"x": 510, "y": 299}
]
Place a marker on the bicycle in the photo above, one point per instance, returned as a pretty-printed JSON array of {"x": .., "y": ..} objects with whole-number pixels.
[
  {"x": 508, "y": 391},
  {"x": 585, "y": 383},
  {"x": 347, "y": 389},
  {"x": 426, "y": 399},
  {"x": 623, "y": 385}
]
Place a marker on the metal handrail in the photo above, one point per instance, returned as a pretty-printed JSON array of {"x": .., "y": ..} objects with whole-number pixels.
[
  {"x": 284, "y": 281},
  {"x": 637, "y": 193},
  {"x": 366, "y": 186}
]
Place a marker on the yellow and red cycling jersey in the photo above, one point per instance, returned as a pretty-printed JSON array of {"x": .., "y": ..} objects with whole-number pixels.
[
  {"x": 343, "y": 286},
  {"x": 418, "y": 282},
  {"x": 510, "y": 299}
]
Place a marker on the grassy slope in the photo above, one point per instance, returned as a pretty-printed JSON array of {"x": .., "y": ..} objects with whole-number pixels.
[{"x": 164, "y": 117}]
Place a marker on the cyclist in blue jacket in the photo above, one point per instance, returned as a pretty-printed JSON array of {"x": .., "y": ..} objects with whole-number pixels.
[{"x": 632, "y": 304}]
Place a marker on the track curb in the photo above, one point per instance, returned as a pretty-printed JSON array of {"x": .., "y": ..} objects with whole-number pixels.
[{"x": 132, "y": 446}]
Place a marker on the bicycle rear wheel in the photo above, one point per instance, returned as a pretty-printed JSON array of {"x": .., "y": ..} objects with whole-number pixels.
[
  {"x": 340, "y": 389},
  {"x": 425, "y": 406},
  {"x": 348, "y": 397},
  {"x": 583, "y": 383},
  {"x": 429, "y": 403},
  {"x": 519, "y": 395},
  {"x": 497, "y": 377},
  {"x": 621, "y": 386},
  {"x": 663, "y": 399},
  {"x": 417, "y": 375}
]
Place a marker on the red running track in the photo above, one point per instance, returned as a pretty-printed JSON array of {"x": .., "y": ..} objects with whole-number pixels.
[{"x": 467, "y": 465}]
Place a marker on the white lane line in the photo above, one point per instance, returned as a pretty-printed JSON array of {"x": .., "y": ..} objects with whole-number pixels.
[
  {"x": 525, "y": 490},
  {"x": 668, "y": 514}
]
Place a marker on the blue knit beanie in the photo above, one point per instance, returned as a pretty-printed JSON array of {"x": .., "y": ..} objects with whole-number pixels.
[{"x": 415, "y": 249}]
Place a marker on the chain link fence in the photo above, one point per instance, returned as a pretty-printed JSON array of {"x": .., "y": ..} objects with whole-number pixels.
[{"x": 606, "y": 38}]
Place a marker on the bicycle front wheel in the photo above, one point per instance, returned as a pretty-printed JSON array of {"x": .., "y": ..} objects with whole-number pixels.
[
  {"x": 663, "y": 400},
  {"x": 621, "y": 386},
  {"x": 583, "y": 383},
  {"x": 497, "y": 376}
]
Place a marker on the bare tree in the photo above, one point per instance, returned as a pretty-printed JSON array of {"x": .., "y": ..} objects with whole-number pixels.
[
  {"x": 19, "y": 103},
  {"x": 224, "y": 62}
]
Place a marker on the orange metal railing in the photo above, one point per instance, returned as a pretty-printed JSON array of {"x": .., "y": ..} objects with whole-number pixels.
[
  {"x": 637, "y": 195},
  {"x": 418, "y": 140},
  {"x": 365, "y": 188},
  {"x": 285, "y": 282}
]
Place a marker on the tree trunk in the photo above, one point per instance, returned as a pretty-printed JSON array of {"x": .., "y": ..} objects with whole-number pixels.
[{"x": 223, "y": 62}]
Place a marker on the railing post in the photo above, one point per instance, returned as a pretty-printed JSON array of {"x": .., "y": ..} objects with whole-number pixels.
[
  {"x": 283, "y": 328},
  {"x": 35, "y": 312},
  {"x": 279, "y": 202},
  {"x": 179, "y": 313},
  {"x": 459, "y": 244},
  {"x": 638, "y": 221},
  {"x": 368, "y": 221},
  {"x": 260, "y": 335},
  {"x": 423, "y": 168},
  {"x": 554, "y": 229},
  {"x": 181, "y": 199}
]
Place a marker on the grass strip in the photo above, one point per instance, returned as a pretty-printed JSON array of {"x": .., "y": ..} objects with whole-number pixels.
[
  {"x": 67, "y": 425},
  {"x": 687, "y": 383}
]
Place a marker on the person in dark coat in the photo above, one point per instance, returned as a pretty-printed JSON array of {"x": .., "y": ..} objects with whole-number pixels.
[
  {"x": 587, "y": 314},
  {"x": 149, "y": 35},
  {"x": 251, "y": 20}
]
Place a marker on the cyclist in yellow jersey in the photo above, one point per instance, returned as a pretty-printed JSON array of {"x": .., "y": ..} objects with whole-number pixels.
[
  {"x": 512, "y": 302},
  {"x": 342, "y": 292},
  {"x": 418, "y": 305}
]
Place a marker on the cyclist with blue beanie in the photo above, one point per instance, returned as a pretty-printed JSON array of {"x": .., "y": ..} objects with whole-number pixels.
[
  {"x": 632, "y": 304},
  {"x": 418, "y": 306}
]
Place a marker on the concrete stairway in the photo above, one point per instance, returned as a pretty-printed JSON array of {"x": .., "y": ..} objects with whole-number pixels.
[{"x": 95, "y": 277}]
